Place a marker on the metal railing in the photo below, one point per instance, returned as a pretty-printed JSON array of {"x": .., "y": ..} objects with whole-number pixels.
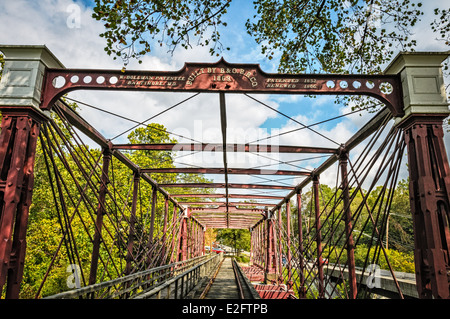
[
  {"x": 182, "y": 284},
  {"x": 147, "y": 283},
  {"x": 245, "y": 287}
]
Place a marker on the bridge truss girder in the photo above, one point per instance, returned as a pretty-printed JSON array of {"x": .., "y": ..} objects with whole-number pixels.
[{"x": 23, "y": 115}]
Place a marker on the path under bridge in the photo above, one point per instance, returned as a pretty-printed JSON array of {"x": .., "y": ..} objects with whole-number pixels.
[{"x": 123, "y": 223}]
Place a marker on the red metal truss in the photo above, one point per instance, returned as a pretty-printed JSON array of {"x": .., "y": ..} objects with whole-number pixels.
[
  {"x": 224, "y": 77},
  {"x": 215, "y": 147}
]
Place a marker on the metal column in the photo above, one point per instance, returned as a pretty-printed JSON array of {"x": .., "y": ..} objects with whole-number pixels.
[
  {"x": 18, "y": 138},
  {"x": 430, "y": 205},
  {"x": 101, "y": 210},
  {"x": 318, "y": 227},
  {"x": 343, "y": 158}
]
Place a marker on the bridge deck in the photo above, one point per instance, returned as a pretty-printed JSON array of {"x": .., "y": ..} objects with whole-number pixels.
[{"x": 224, "y": 286}]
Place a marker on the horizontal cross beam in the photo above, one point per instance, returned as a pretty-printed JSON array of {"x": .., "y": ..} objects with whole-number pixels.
[
  {"x": 215, "y": 195},
  {"x": 229, "y": 204},
  {"x": 242, "y": 171},
  {"x": 223, "y": 185},
  {"x": 216, "y": 147}
]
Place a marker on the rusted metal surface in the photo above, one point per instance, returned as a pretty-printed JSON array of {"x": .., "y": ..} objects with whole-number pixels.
[
  {"x": 18, "y": 138},
  {"x": 301, "y": 263},
  {"x": 288, "y": 244},
  {"x": 223, "y": 185},
  {"x": 270, "y": 253},
  {"x": 215, "y": 195},
  {"x": 318, "y": 236},
  {"x": 214, "y": 147},
  {"x": 101, "y": 210},
  {"x": 428, "y": 165},
  {"x": 229, "y": 204},
  {"x": 223, "y": 77},
  {"x": 430, "y": 204},
  {"x": 131, "y": 231},
  {"x": 343, "y": 158},
  {"x": 216, "y": 170}
]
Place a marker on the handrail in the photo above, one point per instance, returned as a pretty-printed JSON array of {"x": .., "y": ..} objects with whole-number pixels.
[
  {"x": 193, "y": 277},
  {"x": 130, "y": 285},
  {"x": 254, "y": 294}
]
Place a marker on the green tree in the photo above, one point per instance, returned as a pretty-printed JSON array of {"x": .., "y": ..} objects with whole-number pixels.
[
  {"x": 314, "y": 36},
  {"x": 236, "y": 238},
  {"x": 132, "y": 25}
]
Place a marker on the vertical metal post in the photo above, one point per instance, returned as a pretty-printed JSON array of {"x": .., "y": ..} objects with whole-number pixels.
[
  {"x": 152, "y": 225},
  {"x": 301, "y": 263},
  {"x": 174, "y": 251},
  {"x": 101, "y": 210},
  {"x": 318, "y": 236},
  {"x": 425, "y": 106},
  {"x": 270, "y": 270},
  {"x": 343, "y": 158},
  {"x": 280, "y": 236},
  {"x": 164, "y": 236},
  {"x": 252, "y": 238},
  {"x": 18, "y": 141},
  {"x": 182, "y": 242},
  {"x": 131, "y": 231},
  {"x": 288, "y": 240},
  {"x": 430, "y": 205}
]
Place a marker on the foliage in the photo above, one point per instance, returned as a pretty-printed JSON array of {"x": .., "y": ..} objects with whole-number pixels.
[
  {"x": 399, "y": 261},
  {"x": 171, "y": 22},
  {"x": 236, "y": 238},
  {"x": 242, "y": 259},
  {"x": 57, "y": 203},
  {"x": 315, "y": 36},
  {"x": 333, "y": 36}
]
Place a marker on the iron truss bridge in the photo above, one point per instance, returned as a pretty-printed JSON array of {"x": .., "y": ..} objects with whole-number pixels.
[{"x": 131, "y": 220}]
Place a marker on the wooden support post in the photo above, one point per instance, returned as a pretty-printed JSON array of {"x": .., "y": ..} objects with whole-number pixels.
[
  {"x": 343, "y": 158},
  {"x": 101, "y": 210}
]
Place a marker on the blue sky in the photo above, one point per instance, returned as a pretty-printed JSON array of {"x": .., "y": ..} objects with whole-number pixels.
[{"x": 47, "y": 22}]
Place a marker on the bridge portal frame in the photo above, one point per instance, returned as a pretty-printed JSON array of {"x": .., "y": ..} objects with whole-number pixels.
[{"x": 413, "y": 91}]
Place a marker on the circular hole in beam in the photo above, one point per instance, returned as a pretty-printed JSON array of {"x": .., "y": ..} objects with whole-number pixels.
[
  {"x": 113, "y": 80},
  {"x": 356, "y": 84},
  {"x": 74, "y": 79},
  {"x": 100, "y": 79},
  {"x": 330, "y": 84},
  {"x": 370, "y": 84},
  {"x": 343, "y": 84},
  {"x": 87, "y": 79},
  {"x": 58, "y": 82},
  {"x": 386, "y": 88}
]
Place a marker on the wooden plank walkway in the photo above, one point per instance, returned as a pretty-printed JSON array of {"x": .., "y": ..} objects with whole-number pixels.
[{"x": 224, "y": 286}]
